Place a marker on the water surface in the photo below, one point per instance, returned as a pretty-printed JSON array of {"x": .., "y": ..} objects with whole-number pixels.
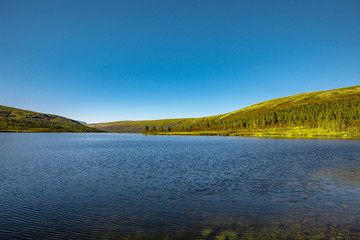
[{"x": 115, "y": 186}]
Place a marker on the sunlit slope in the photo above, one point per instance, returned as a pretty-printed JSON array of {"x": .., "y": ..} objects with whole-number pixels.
[
  {"x": 18, "y": 120},
  {"x": 329, "y": 114},
  {"x": 320, "y": 97}
]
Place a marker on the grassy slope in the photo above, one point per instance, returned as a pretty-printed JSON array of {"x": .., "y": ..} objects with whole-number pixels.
[
  {"x": 275, "y": 105},
  {"x": 138, "y": 126},
  {"x": 294, "y": 100},
  {"x": 18, "y": 120}
]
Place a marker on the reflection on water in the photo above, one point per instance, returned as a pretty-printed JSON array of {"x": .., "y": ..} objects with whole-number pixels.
[{"x": 116, "y": 186}]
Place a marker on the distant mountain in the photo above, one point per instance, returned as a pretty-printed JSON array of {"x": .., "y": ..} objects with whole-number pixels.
[
  {"x": 81, "y": 122},
  {"x": 18, "y": 120},
  {"x": 324, "y": 114}
]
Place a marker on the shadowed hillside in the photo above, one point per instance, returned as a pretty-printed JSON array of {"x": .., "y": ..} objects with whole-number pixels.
[
  {"x": 18, "y": 120},
  {"x": 329, "y": 114}
]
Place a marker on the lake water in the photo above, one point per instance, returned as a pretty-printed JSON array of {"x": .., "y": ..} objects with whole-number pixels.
[{"x": 119, "y": 186}]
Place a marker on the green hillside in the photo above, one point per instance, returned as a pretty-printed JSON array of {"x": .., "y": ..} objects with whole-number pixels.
[
  {"x": 139, "y": 126},
  {"x": 323, "y": 114},
  {"x": 18, "y": 120}
]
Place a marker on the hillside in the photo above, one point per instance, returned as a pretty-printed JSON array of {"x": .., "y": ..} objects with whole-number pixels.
[
  {"x": 139, "y": 126},
  {"x": 323, "y": 114},
  {"x": 18, "y": 120},
  {"x": 320, "y": 97}
]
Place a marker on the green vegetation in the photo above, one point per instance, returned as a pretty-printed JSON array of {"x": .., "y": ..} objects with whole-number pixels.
[
  {"x": 17, "y": 120},
  {"x": 324, "y": 114},
  {"x": 139, "y": 126}
]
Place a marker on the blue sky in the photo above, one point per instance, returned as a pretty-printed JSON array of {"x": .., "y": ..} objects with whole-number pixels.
[{"x": 100, "y": 61}]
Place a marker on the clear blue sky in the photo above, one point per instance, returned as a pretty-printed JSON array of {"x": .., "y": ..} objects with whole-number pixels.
[{"x": 100, "y": 61}]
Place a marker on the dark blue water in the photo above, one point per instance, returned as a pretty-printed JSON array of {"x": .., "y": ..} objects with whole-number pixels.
[{"x": 116, "y": 186}]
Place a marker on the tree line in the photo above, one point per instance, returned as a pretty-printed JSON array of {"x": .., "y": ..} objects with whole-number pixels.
[
  {"x": 23, "y": 125},
  {"x": 338, "y": 115}
]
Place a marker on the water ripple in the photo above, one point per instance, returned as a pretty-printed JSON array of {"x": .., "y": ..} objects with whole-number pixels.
[{"x": 112, "y": 186}]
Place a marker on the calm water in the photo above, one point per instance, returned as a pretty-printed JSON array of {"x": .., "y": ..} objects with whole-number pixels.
[{"x": 114, "y": 186}]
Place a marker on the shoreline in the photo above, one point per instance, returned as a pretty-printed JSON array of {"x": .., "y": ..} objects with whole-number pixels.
[
  {"x": 219, "y": 134},
  {"x": 274, "y": 135}
]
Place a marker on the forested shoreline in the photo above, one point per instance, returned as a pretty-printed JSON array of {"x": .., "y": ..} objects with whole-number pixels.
[
  {"x": 337, "y": 117},
  {"x": 341, "y": 115},
  {"x": 13, "y": 125}
]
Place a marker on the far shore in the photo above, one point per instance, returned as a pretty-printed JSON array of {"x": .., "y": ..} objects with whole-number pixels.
[{"x": 263, "y": 134}]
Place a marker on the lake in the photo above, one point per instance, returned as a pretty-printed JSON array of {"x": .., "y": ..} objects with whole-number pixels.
[{"x": 129, "y": 186}]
